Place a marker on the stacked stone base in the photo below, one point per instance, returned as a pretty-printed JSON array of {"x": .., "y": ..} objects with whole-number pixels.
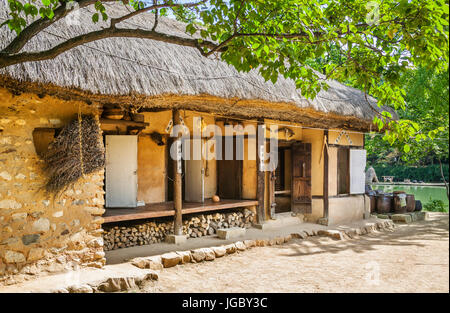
[
  {"x": 404, "y": 218},
  {"x": 194, "y": 226}
]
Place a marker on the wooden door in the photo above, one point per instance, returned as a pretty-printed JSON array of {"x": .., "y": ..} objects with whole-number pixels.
[
  {"x": 121, "y": 171},
  {"x": 229, "y": 174},
  {"x": 301, "y": 178}
]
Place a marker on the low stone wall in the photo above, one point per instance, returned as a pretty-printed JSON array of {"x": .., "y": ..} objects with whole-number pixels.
[
  {"x": 170, "y": 259},
  {"x": 148, "y": 232},
  {"x": 40, "y": 232}
]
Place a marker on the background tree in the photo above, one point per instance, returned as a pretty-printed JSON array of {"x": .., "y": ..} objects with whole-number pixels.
[{"x": 427, "y": 110}]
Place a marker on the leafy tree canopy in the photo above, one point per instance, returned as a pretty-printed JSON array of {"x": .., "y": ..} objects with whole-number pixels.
[
  {"x": 370, "y": 44},
  {"x": 427, "y": 109}
]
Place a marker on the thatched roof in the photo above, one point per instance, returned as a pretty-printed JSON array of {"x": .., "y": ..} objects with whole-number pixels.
[{"x": 159, "y": 74}]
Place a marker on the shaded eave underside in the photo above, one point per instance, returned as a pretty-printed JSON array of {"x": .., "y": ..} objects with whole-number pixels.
[{"x": 233, "y": 107}]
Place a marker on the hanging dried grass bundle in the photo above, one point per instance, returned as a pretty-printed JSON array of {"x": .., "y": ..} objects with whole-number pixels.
[{"x": 66, "y": 162}]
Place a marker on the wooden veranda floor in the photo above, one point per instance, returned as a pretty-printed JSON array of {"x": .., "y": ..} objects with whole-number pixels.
[{"x": 166, "y": 209}]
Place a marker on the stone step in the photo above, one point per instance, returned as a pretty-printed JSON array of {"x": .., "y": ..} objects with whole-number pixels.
[
  {"x": 229, "y": 233},
  {"x": 281, "y": 220}
]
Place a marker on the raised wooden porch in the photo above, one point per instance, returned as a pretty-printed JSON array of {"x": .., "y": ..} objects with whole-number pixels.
[{"x": 166, "y": 209}]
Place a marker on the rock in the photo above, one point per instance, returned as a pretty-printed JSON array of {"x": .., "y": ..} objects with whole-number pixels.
[
  {"x": 94, "y": 210},
  {"x": 240, "y": 246},
  {"x": 279, "y": 240},
  {"x": 185, "y": 256},
  {"x": 423, "y": 216},
  {"x": 198, "y": 255},
  {"x": 229, "y": 233},
  {"x": 140, "y": 262},
  {"x": 14, "y": 257},
  {"x": 287, "y": 238},
  {"x": 170, "y": 259},
  {"x": 5, "y": 175},
  {"x": 335, "y": 234},
  {"x": 401, "y": 218},
  {"x": 231, "y": 248},
  {"x": 10, "y": 241},
  {"x": 96, "y": 243},
  {"x": 250, "y": 243},
  {"x": 303, "y": 235},
  {"x": 10, "y": 204},
  {"x": 41, "y": 225},
  {"x": 219, "y": 251},
  {"x": 262, "y": 242},
  {"x": 19, "y": 217},
  {"x": 383, "y": 216},
  {"x": 80, "y": 289},
  {"x": 29, "y": 239},
  {"x": 209, "y": 254},
  {"x": 118, "y": 284},
  {"x": 35, "y": 254}
]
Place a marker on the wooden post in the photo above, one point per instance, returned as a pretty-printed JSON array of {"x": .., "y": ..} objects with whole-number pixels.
[
  {"x": 177, "y": 180},
  {"x": 260, "y": 141},
  {"x": 325, "y": 175}
]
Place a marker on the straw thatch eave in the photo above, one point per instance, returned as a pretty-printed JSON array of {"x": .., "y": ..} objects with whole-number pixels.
[{"x": 160, "y": 75}]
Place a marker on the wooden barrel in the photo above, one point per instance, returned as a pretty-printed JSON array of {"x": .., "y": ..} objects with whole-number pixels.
[
  {"x": 400, "y": 203},
  {"x": 384, "y": 203},
  {"x": 418, "y": 206},
  {"x": 410, "y": 203},
  {"x": 373, "y": 203}
]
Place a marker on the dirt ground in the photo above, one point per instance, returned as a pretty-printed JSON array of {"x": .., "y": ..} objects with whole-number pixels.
[{"x": 413, "y": 258}]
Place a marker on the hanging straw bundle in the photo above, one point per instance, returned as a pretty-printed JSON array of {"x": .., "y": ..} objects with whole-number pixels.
[{"x": 77, "y": 151}]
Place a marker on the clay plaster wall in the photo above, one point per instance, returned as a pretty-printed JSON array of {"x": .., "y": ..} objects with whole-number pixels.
[{"x": 345, "y": 209}]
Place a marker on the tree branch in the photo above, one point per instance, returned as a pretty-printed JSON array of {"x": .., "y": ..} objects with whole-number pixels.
[
  {"x": 8, "y": 60},
  {"x": 115, "y": 21},
  {"x": 39, "y": 25}
]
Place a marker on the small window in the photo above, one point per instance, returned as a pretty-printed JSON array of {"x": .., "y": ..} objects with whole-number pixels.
[{"x": 343, "y": 170}]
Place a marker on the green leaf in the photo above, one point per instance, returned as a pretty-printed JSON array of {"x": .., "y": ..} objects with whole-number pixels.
[
  {"x": 406, "y": 148},
  {"x": 95, "y": 17}
]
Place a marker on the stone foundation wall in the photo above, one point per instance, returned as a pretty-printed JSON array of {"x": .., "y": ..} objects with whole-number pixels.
[
  {"x": 40, "y": 232},
  {"x": 144, "y": 233}
]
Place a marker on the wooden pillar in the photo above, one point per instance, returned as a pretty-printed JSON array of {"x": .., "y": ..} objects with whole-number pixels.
[
  {"x": 177, "y": 180},
  {"x": 260, "y": 147},
  {"x": 325, "y": 175}
]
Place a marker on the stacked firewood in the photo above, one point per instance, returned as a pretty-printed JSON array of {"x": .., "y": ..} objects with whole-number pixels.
[{"x": 195, "y": 226}]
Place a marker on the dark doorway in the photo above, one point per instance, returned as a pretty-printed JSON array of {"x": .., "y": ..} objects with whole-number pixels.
[
  {"x": 282, "y": 180},
  {"x": 229, "y": 172}
]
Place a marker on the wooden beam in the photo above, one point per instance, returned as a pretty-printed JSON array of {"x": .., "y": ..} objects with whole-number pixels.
[
  {"x": 106, "y": 121},
  {"x": 260, "y": 212},
  {"x": 177, "y": 182}
]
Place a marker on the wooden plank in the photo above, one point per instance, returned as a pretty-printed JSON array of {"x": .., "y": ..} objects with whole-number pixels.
[
  {"x": 166, "y": 209},
  {"x": 220, "y": 207},
  {"x": 123, "y": 122}
]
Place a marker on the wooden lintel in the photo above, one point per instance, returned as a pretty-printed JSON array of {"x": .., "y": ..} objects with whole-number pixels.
[{"x": 106, "y": 121}]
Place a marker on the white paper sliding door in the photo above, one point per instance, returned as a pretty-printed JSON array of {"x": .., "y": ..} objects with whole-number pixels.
[{"x": 357, "y": 171}]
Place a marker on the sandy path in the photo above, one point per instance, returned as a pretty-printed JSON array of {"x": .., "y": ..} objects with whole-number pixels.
[{"x": 414, "y": 258}]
